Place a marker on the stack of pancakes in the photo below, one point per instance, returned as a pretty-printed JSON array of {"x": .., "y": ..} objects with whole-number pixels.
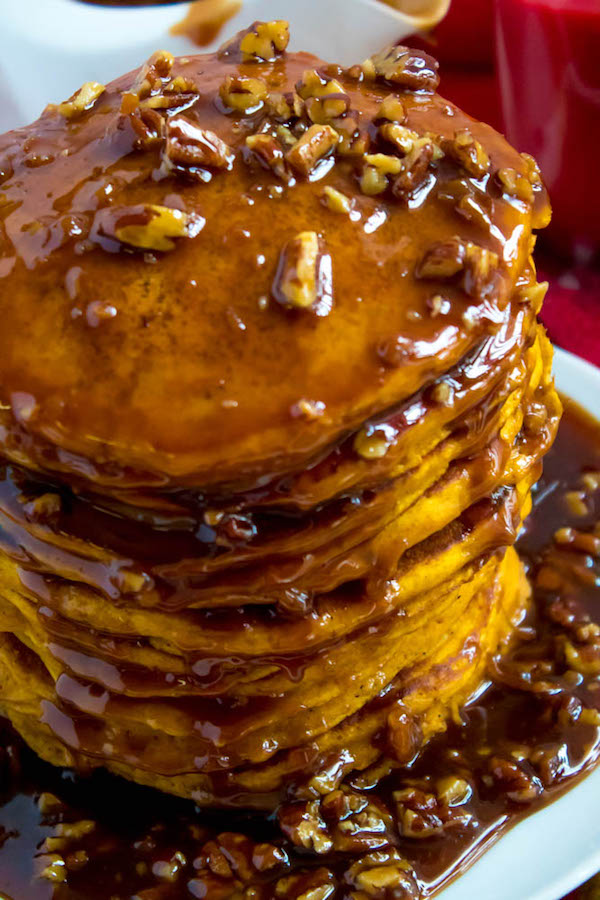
[{"x": 273, "y": 395}]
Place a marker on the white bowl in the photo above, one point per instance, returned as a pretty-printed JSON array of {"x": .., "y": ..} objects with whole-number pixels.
[{"x": 49, "y": 48}]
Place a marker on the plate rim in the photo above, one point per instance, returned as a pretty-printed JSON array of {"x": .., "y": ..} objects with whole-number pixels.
[{"x": 559, "y": 845}]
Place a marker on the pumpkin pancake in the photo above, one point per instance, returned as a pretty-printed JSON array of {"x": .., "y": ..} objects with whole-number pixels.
[{"x": 273, "y": 396}]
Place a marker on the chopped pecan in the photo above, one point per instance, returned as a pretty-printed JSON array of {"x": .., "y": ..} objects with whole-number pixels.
[
  {"x": 153, "y": 75},
  {"x": 533, "y": 295},
  {"x": 515, "y": 185},
  {"x": 189, "y": 148},
  {"x": 402, "y": 138},
  {"x": 480, "y": 267},
  {"x": 551, "y": 762},
  {"x": 330, "y": 106},
  {"x": 178, "y": 93},
  {"x": 443, "y": 393},
  {"x": 391, "y": 109},
  {"x": 377, "y": 167},
  {"x": 465, "y": 150},
  {"x": 315, "y": 144},
  {"x": 533, "y": 170},
  {"x": 314, "y": 84},
  {"x": 438, "y": 305},
  {"x": 265, "y": 41},
  {"x": 229, "y": 855},
  {"x": 404, "y": 734},
  {"x": 423, "y": 815},
  {"x": 43, "y": 507},
  {"x": 443, "y": 260},
  {"x": 414, "y": 170},
  {"x": 353, "y": 140},
  {"x": 243, "y": 94},
  {"x": 410, "y": 68},
  {"x": 382, "y": 874},
  {"x": 336, "y": 201},
  {"x": 82, "y": 100},
  {"x": 518, "y": 784},
  {"x": 169, "y": 869},
  {"x": 453, "y": 791},
  {"x": 584, "y": 658},
  {"x": 303, "y": 824},
  {"x": 145, "y": 226},
  {"x": 269, "y": 152},
  {"x": 283, "y": 107},
  {"x": 575, "y": 502},
  {"x": 149, "y": 127},
  {"x": 55, "y": 870},
  {"x": 304, "y": 275},
  {"x": 313, "y": 884},
  {"x": 371, "y": 442}
]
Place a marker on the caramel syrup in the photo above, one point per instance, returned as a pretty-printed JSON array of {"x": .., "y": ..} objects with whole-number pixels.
[{"x": 530, "y": 734}]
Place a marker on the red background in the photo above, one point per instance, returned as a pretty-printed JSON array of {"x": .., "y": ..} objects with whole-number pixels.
[{"x": 464, "y": 45}]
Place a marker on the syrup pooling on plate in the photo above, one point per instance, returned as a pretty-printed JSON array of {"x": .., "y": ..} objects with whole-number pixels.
[{"x": 524, "y": 739}]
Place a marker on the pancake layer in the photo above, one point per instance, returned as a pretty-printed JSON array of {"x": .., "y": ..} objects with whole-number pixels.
[{"x": 275, "y": 424}]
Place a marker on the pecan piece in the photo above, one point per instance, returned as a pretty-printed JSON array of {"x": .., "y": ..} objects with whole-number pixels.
[
  {"x": 304, "y": 275},
  {"x": 382, "y": 874},
  {"x": 153, "y": 75},
  {"x": 243, "y": 94},
  {"x": 82, "y": 100},
  {"x": 514, "y": 184},
  {"x": 371, "y": 442},
  {"x": 269, "y": 152},
  {"x": 283, "y": 107},
  {"x": 303, "y": 824},
  {"x": 314, "y": 884},
  {"x": 189, "y": 148},
  {"x": 404, "y": 735},
  {"x": 391, "y": 109},
  {"x": 336, "y": 201},
  {"x": 377, "y": 168},
  {"x": 177, "y": 94},
  {"x": 480, "y": 267},
  {"x": 467, "y": 152},
  {"x": 265, "y": 41},
  {"x": 315, "y": 144},
  {"x": 517, "y": 784},
  {"x": 330, "y": 106},
  {"x": 353, "y": 141},
  {"x": 149, "y": 128},
  {"x": 324, "y": 97},
  {"x": 315, "y": 84},
  {"x": 414, "y": 170},
  {"x": 261, "y": 42},
  {"x": 410, "y": 68},
  {"x": 423, "y": 815},
  {"x": 443, "y": 260},
  {"x": 146, "y": 226}
]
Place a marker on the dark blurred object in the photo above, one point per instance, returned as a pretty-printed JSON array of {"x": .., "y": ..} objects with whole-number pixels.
[
  {"x": 548, "y": 57},
  {"x": 588, "y": 891}
]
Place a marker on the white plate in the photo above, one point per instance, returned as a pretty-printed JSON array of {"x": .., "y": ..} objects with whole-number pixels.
[{"x": 553, "y": 851}]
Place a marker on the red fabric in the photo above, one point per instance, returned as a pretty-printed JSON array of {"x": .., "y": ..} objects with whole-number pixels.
[
  {"x": 464, "y": 45},
  {"x": 571, "y": 310}
]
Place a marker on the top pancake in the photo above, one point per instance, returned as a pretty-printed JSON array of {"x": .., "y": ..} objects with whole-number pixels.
[{"x": 186, "y": 366}]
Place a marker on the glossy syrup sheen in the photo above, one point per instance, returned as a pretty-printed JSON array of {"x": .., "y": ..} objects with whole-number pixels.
[
  {"x": 149, "y": 846},
  {"x": 132, "y": 333}
]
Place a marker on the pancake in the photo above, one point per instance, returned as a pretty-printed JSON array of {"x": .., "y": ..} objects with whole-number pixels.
[{"x": 273, "y": 396}]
